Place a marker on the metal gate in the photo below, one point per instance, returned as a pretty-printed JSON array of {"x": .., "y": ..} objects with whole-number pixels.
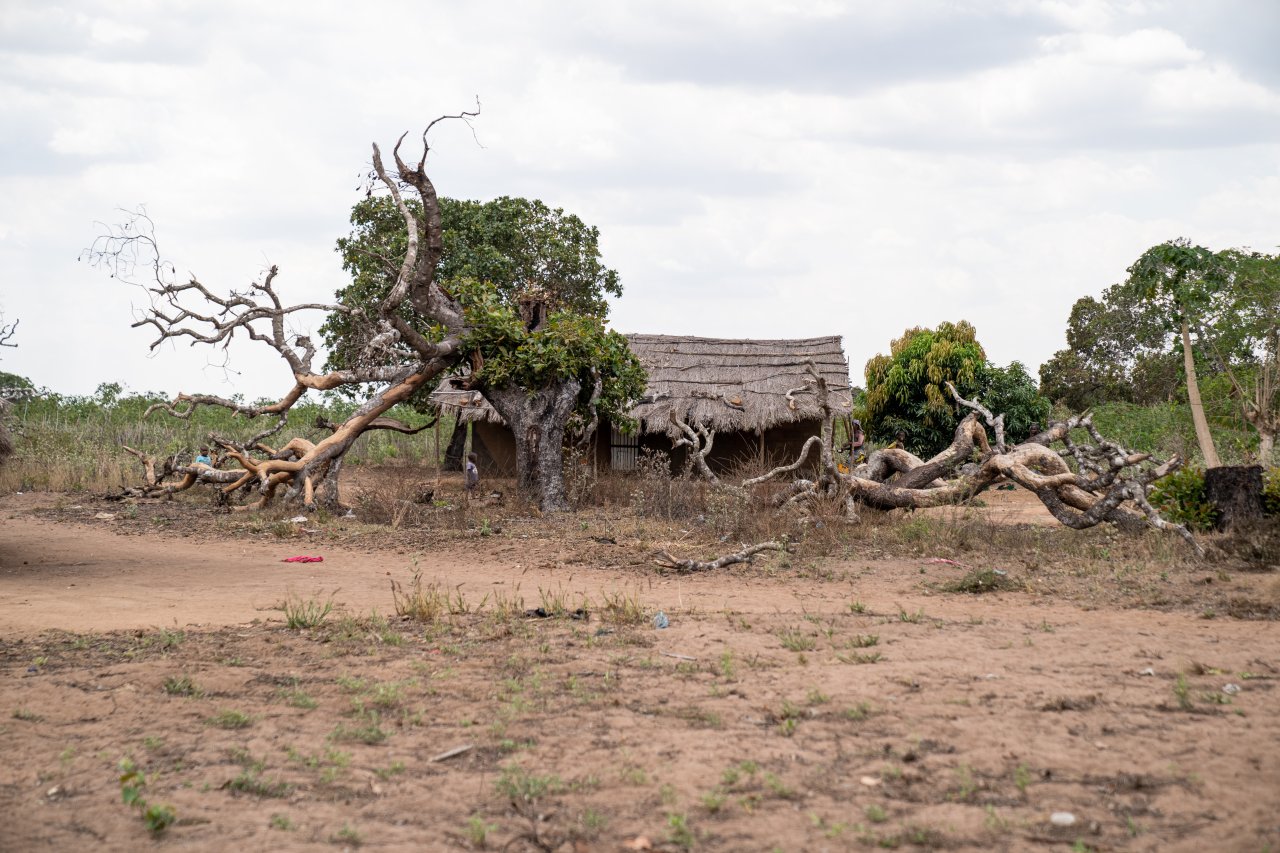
[{"x": 623, "y": 449}]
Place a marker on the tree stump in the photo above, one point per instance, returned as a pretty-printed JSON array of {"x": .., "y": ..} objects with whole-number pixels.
[{"x": 1236, "y": 490}]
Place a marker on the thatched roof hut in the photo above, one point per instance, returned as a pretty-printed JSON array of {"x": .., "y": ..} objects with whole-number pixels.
[
  {"x": 726, "y": 384},
  {"x": 754, "y": 394},
  {"x": 736, "y": 385}
]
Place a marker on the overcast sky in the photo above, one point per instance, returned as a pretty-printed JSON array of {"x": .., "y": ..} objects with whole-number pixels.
[{"x": 756, "y": 168}]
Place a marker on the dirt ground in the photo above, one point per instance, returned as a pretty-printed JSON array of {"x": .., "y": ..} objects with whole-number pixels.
[{"x": 834, "y": 704}]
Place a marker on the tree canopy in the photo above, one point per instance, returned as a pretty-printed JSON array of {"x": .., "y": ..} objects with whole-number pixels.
[
  {"x": 567, "y": 344},
  {"x": 907, "y": 389},
  {"x": 1119, "y": 349},
  {"x": 513, "y": 245},
  {"x": 1182, "y": 311}
]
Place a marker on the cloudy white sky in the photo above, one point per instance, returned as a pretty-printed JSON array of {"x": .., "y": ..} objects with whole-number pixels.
[{"x": 757, "y": 168}]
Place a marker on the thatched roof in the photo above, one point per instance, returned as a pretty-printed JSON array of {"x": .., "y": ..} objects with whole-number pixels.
[
  {"x": 733, "y": 385},
  {"x": 466, "y": 405},
  {"x": 725, "y": 384}
]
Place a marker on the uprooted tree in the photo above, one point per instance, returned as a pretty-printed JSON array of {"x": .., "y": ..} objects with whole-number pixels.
[
  {"x": 406, "y": 335},
  {"x": 1082, "y": 484}
]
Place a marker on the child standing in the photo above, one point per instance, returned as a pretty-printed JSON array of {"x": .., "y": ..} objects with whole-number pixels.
[{"x": 472, "y": 475}]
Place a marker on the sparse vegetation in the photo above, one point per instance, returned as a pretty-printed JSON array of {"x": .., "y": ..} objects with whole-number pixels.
[
  {"x": 180, "y": 685},
  {"x": 133, "y": 784},
  {"x": 305, "y": 613},
  {"x": 231, "y": 719},
  {"x": 467, "y": 666}
]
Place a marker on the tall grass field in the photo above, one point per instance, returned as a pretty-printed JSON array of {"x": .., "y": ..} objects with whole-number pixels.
[{"x": 73, "y": 444}]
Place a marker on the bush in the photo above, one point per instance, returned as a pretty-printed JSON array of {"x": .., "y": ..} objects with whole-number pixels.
[
  {"x": 1271, "y": 491},
  {"x": 1181, "y": 499}
]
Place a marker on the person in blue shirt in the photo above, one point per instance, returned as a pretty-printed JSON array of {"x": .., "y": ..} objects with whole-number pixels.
[{"x": 203, "y": 457}]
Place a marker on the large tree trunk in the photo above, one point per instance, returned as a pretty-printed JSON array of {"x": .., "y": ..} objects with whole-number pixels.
[
  {"x": 1203, "y": 437},
  {"x": 1236, "y": 490},
  {"x": 537, "y": 421},
  {"x": 457, "y": 446}
]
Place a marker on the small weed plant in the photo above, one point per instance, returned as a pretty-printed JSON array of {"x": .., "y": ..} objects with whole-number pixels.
[
  {"x": 180, "y": 685},
  {"x": 230, "y": 719},
  {"x": 301, "y": 614},
  {"x": 133, "y": 785},
  {"x": 519, "y": 785}
]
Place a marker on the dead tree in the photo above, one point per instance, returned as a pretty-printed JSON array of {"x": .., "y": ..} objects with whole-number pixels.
[
  {"x": 666, "y": 561},
  {"x": 7, "y": 331},
  {"x": 397, "y": 359},
  {"x": 699, "y": 440},
  {"x": 1108, "y": 484}
]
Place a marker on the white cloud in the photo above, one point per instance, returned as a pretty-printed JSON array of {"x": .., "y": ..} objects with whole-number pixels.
[
  {"x": 116, "y": 32},
  {"x": 1146, "y": 48},
  {"x": 763, "y": 169}
]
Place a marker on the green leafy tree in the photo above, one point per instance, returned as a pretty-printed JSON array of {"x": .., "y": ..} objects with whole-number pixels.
[
  {"x": 514, "y": 245},
  {"x": 1119, "y": 349},
  {"x": 14, "y": 387},
  {"x": 1012, "y": 391},
  {"x": 1179, "y": 280},
  {"x": 906, "y": 390},
  {"x": 534, "y": 297},
  {"x": 1186, "y": 318},
  {"x": 1241, "y": 328}
]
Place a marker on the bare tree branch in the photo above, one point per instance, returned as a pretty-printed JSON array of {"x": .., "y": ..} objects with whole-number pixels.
[
  {"x": 699, "y": 440},
  {"x": 996, "y": 422},
  {"x": 7, "y": 331},
  {"x": 194, "y": 312},
  {"x": 1107, "y": 474},
  {"x": 666, "y": 561}
]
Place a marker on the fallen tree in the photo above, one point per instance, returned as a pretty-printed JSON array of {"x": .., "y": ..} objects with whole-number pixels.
[
  {"x": 507, "y": 297},
  {"x": 397, "y": 360},
  {"x": 1081, "y": 484}
]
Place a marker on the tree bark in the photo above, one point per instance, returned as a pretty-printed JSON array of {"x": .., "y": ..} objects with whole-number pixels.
[
  {"x": 538, "y": 420},
  {"x": 457, "y": 446},
  {"x": 1236, "y": 490},
  {"x": 1203, "y": 436}
]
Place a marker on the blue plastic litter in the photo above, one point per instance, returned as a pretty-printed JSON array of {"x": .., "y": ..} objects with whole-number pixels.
[{"x": 661, "y": 621}]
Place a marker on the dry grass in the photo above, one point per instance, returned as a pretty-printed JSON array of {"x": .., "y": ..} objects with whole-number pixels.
[{"x": 397, "y": 496}]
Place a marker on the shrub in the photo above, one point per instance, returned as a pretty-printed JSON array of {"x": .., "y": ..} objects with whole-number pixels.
[
  {"x": 1271, "y": 491},
  {"x": 1181, "y": 499}
]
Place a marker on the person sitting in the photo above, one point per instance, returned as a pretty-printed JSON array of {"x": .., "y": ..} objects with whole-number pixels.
[
  {"x": 899, "y": 441},
  {"x": 203, "y": 457},
  {"x": 857, "y": 443}
]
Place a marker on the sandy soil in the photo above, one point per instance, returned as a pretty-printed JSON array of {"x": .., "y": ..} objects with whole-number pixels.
[{"x": 844, "y": 706}]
